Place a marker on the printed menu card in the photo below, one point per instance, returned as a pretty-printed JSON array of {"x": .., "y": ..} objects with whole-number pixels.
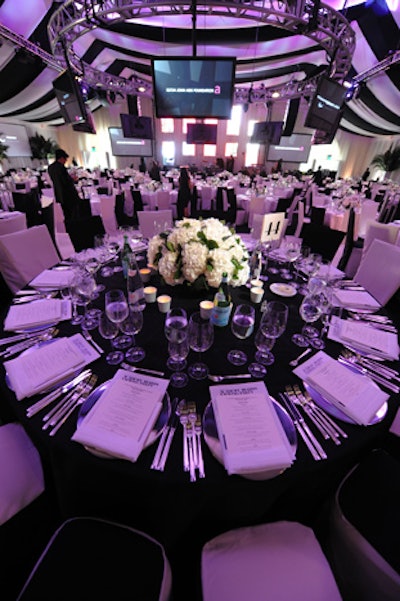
[
  {"x": 356, "y": 299},
  {"x": 40, "y": 368},
  {"x": 364, "y": 337},
  {"x": 53, "y": 278},
  {"x": 251, "y": 434},
  {"x": 354, "y": 394},
  {"x": 123, "y": 417}
]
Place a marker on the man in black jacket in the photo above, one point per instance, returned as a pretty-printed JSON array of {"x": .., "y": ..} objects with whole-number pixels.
[{"x": 64, "y": 186}]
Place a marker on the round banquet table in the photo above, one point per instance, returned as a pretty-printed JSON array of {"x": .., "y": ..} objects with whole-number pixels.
[{"x": 181, "y": 514}]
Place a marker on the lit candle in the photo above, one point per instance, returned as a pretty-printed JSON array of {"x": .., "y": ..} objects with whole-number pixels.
[{"x": 164, "y": 303}]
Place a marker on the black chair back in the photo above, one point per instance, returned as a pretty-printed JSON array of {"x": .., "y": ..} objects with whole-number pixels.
[
  {"x": 83, "y": 231},
  {"x": 321, "y": 239}
]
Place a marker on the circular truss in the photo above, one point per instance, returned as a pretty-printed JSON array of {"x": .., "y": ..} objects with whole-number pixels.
[{"x": 310, "y": 18}]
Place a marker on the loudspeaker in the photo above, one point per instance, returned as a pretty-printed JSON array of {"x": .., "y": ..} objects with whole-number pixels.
[{"x": 291, "y": 116}]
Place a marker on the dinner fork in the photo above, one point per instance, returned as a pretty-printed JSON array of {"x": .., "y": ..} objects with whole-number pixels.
[
  {"x": 78, "y": 399},
  {"x": 322, "y": 426}
]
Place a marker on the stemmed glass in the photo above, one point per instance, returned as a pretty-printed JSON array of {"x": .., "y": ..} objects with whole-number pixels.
[
  {"x": 176, "y": 332},
  {"x": 201, "y": 338},
  {"x": 310, "y": 266},
  {"x": 272, "y": 326},
  {"x": 292, "y": 251},
  {"x": 117, "y": 310},
  {"x": 131, "y": 326},
  {"x": 325, "y": 301},
  {"x": 109, "y": 330},
  {"x": 85, "y": 288},
  {"x": 310, "y": 310},
  {"x": 242, "y": 326}
]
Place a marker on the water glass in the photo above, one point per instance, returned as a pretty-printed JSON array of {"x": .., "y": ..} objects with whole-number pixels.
[
  {"x": 201, "y": 338},
  {"x": 242, "y": 326}
]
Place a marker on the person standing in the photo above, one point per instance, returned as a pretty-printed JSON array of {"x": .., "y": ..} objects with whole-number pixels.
[
  {"x": 142, "y": 165},
  {"x": 185, "y": 187},
  {"x": 65, "y": 192},
  {"x": 155, "y": 171}
]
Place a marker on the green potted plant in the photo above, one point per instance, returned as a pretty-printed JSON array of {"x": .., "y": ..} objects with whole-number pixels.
[
  {"x": 42, "y": 147},
  {"x": 389, "y": 161}
]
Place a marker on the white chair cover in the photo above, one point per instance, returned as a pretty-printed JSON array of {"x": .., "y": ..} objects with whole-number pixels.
[
  {"x": 207, "y": 194},
  {"x": 379, "y": 270},
  {"x": 381, "y": 231},
  {"x": 21, "y": 473},
  {"x": 107, "y": 210},
  {"x": 278, "y": 561},
  {"x": 163, "y": 199},
  {"x": 25, "y": 254},
  {"x": 153, "y": 222},
  {"x": 13, "y": 222},
  {"x": 368, "y": 212}
]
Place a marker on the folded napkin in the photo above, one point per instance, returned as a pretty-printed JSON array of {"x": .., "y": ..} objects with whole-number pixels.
[
  {"x": 37, "y": 313},
  {"x": 354, "y": 394},
  {"x": 53, "y": 278},
  {"x": 365, "y": 338},
  {"x": 123, "y": 417},
  {"x": 251, "y": 434},
  {"x": 360, "y": 299},
  {"x": 40, "y": 368}
]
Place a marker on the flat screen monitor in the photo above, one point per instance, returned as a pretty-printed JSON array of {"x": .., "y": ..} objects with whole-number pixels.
[
  {"x": 291, "y": 149},
  {"x": 201, "y": 133},
  {"x": 136, "y": 127},
  {"x": 326, "y": 107},
  {"x": 68, "y": 94},
  {"x": 193, "y": 87},
  {"x": 267, "y": 132},
  {"x": 16, "y": 138},
  {"x": 129, "y": 147}
]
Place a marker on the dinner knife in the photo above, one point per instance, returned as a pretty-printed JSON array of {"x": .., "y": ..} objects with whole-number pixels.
[
  {"x": 299, "y": 427},
  {"x": 78, "y": 399},
  {"x": 52, "y": 396},
  {"x": 168, "y": 442},
  {"x": 164, "y": 435},
  {"x": 371, "y": 374}
]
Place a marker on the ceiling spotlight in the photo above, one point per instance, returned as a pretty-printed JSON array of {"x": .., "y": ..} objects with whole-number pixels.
[{"x": 275, "y": 94}]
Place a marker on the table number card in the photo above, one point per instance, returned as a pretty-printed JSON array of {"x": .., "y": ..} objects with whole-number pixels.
[
  {"x": 252, "y": 437},
  {"x": 123, "y": 417}
]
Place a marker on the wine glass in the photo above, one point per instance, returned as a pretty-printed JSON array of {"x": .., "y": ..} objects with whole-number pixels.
[
  {"x": 310, "y": 311},
  {"x": 131, "y": 326},
  {"x": 85, "y": 288},
  {"x": 178, "y": 350},
  {"x": 109, "y": 330},
  {"x": 117, "y": 310},
  {"x": 201, "y": 338},
  {"x": 325, "y": 301},
  {"x": 175, "y": 329},
  {"x": 292, "y": 251},
  {"x": 92, "y": 266},
  {"x": 272, "y": 325},
  {"x": 242, "y": 326},
  {"x": 310, "y": 266}
]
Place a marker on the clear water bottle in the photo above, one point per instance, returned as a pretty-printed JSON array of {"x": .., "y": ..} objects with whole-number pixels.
[
  {"x": 135, "y": 285},
  {"x": 126, "y": 254}
]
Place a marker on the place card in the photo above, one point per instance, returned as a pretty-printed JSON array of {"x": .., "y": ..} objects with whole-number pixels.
[
  {"x": 40, "y": 368},
  {"x": 124, "y": 415},
  {"x": 353, "y": 393},
  {"x": 251, "y": 434},
  {"x": 37, "y": 313}
]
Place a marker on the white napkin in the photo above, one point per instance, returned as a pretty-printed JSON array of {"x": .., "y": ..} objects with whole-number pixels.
[
  {"x": 251, "y": 435},
  {"x": 37, "y": 313},
  {"x": 40, "y": 368},
  {"x": 354, "y": 394},
  {"x": 53, "y": 278},
  {"x": 360, "y": 299},
  {"x": 124, "y": 415}
]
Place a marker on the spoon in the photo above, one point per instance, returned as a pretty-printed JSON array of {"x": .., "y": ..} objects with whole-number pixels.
[{"x": 215, "y": 378}]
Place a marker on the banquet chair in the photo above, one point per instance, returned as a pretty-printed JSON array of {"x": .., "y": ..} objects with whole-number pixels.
[
  {"x": 153, "y": 222},
  {"x": 368, "y": 212},
  {"x": 21, "y": 471},
  {"x": 25, "y": 254},
  {"x": 91, "y": 558},
  {"x": 382, "y": 231},
  {"x": 317, "y": 215},
  {"x": 207, "y": 198},
  {"x": 14, "y": 222},
  {"x": 277, "y": 561},
  {"x": 301, "y": 218},
  {"x": 82, "y": 232},
  {"x": 379, "y": 271},
  {"x": 321, "y": 239},
  {"x": 256, "y": 206},
  {"x": 28, "y": 203},
  {"x": 163, "y": 200},
  {"x": 122, "y": 218},
  {"x": 364, "y": 526},
  {"x": 107, "y": 211}
]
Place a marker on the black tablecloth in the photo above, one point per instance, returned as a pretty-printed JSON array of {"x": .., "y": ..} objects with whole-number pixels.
[{"x": 166, "y": 504}]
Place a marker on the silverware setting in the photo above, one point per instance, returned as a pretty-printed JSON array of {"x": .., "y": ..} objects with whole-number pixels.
[
  {"x": 18, "y": 347},
  {"x": 190, "y": 421},
  {"x": 165, "y": 441},
  {"x": 302, "y": 428},
  {"x": 55, "y": 394},
  {"x": 87, "y": 336},
  {"x": 383, "y": 370},
  {"x": 370, "y": 372},
  {"x": 78, "y": 399},
  {"x": 221, "y": 378},
  {"x": 295, "y": 362}
]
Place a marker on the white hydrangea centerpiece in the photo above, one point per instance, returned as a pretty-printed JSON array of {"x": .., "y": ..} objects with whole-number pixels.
[{"x": 198, "y": 252}]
